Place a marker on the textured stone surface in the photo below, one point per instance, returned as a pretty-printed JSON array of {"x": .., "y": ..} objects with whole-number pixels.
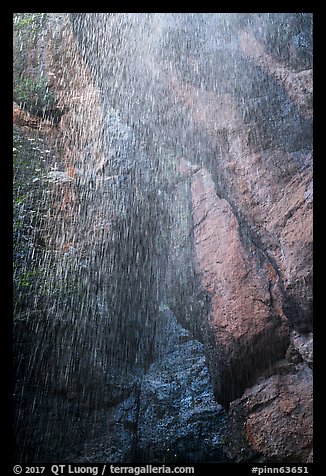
[
  {"x": 301, "y": 346},
  {"x": 171, "y": 415},
  {"x": 298, "y": 84},
  {"x": 273, "y": 420},
  {"x": 245, "y": 328},
  {"x": 252, "y": 207},
  {"x": 23, "y": 118},
  {"x": 179, "y": 420}
]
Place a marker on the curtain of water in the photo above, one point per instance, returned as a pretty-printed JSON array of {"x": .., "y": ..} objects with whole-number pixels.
[{"x": 142, "y": 92}]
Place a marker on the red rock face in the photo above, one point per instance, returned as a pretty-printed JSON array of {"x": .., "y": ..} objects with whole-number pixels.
[
  {"x": 249, "y": 331},
  {"x": 247, "y": 328}
]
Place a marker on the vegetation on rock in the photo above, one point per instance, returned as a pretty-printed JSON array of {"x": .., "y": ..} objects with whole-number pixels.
[{"x": 34, "y": 96}]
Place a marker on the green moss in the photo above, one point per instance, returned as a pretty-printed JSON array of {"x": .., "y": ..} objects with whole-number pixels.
[
  {"x": 34, "y": 96},
  {"x": 32, "y": 93},
  {"x": 27, "y": 27},
  {"x": 25, "y": 280},
  {"x": 27, "y": 197},
  {"x": 28, "y": 20}
]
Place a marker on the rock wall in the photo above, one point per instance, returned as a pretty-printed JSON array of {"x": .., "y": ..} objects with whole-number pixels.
[
  {"x": 252, "y": 208},
  {"x": 247, "y": 331},
  {"x": 189, "y": 136}
]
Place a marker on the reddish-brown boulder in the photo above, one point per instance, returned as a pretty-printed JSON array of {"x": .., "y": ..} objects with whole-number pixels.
[
  {"x": 273, "y": 420},
  {"x": 24, "y": 118}
]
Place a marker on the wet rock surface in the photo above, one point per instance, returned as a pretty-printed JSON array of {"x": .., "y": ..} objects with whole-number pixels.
[
  {"x": 171, "y": 417},
  {"x": 249, "y": 332},
  {"x": 273, "y": 420},
  {"x": 196, "y": 176},
  {"x": 165, "y": 415},
  {"x": 179, "y": 419}
]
